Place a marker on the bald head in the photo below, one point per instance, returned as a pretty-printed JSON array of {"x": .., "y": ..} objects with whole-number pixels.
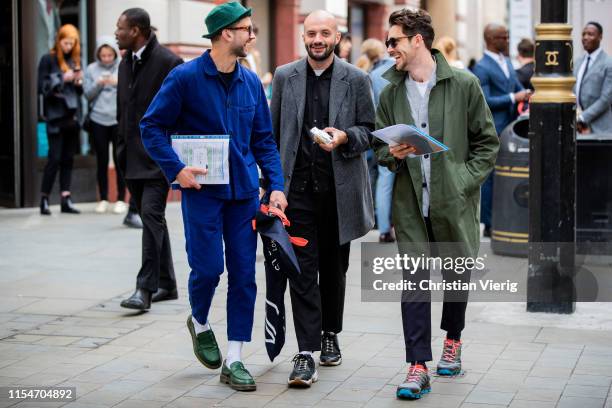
[
  {"x": 321, "y": 17},
  {"x": 320, "y": 37},
  {"x": 496, "y": 37}
]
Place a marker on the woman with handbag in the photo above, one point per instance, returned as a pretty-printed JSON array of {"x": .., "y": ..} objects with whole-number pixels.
[
  {"x": 60, "y": 82},
  {"x": 100, "y": 88}
]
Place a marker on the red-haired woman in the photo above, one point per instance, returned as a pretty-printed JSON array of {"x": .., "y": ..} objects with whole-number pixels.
[{"x": 60, "y": 82}]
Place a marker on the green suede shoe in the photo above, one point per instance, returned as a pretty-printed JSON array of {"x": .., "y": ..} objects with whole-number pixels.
[
  {"x": 205, "y": 346},
  {"x": 237, "y": 377}
]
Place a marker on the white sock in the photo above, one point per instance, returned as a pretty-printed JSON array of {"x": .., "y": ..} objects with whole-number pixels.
[
  {"x": 234, "y": 352},
  {"x": 306, "y": 353},
  {"x": 199, "y": 328}
]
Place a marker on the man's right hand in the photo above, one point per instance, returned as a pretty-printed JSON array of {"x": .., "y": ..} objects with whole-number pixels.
[
  {"x": 401, "y": 151},
  {"x": 522, "y": 95},
  {"x": 186, "y": 177}
]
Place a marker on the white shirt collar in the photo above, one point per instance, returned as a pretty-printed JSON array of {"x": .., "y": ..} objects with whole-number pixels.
[
  {"x": 497, "y": 57},
  {"x": 138, "y": 54},
  {"x": 594, "y": 54}
]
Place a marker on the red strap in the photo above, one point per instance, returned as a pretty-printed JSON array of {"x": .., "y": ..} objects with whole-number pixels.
[{"x": 297, "y": 241}]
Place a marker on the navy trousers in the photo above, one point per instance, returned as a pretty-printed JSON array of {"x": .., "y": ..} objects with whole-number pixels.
[
  {"x": 416, "y": 311},
  {"x": 209, "y": 223}
]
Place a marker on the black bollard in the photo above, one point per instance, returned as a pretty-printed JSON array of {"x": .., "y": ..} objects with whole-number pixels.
[{"x": 552, "y": 166}]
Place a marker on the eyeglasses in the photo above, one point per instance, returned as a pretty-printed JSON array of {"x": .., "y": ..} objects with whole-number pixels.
[
  {"x": 248, "y": 29},
  {"x": 392, "y": 42}
]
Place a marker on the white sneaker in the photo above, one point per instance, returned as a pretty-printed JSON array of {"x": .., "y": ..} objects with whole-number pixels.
[
  {"x": 120, "y": 207},
  {"x": 102, "y": 207}
]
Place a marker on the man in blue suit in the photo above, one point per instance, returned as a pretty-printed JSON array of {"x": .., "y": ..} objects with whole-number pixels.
[
  {"x": 214, "y": 95},
  {"x": 502, "y": 91}
]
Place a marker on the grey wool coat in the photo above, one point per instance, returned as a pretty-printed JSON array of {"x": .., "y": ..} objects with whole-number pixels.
[{"x": 351, "y": 110}]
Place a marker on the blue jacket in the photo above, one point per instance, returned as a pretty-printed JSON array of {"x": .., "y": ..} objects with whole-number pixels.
[
  {"x": 194, "y": 101},
  {"x": 496, "y": 88}
]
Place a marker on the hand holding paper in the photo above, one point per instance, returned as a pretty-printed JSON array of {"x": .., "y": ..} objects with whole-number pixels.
[{"x": 187, "y": 177}]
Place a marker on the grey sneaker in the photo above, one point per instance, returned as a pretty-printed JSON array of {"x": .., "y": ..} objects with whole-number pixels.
[
  {"x": 304, "y": 371},
  {"x": 450, "y": 362},
  {"x": 416, "y": 383}
]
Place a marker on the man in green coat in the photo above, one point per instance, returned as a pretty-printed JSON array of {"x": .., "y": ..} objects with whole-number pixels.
[{"x": 435, "y": 197}]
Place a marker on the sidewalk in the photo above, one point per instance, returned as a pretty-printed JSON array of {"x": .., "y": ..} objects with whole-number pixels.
[{"x": 62, "y": 278}]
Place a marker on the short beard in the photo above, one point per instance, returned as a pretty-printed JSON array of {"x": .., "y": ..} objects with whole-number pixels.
[
  {"x": 326, "y": 54},
  {"x": 239, "y": 52}
]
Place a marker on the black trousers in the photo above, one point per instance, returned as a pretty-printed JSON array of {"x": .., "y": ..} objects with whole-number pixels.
[
  {"x": 416, "y": 312},
  {"x": 317, "y": 298},
  {"x": 62, "y": 148},
  {"x": 157, "y": 269},
  {"x": 103, "y": 136}
]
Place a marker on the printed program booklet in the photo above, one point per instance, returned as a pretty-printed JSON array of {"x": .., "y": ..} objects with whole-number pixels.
[
  {"x": 410, "y": 135},
  {"x": 207, "y": 152}
]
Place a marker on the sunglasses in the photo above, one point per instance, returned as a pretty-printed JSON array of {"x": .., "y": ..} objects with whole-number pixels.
[
  {"x": 393, "y": 41},
  {"x": 248, "y": 29}
]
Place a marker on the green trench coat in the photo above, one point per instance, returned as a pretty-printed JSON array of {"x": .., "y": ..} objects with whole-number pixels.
[{"x": 460, "y": 118}]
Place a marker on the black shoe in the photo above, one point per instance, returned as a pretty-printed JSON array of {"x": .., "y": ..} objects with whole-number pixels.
[
  {"x": 164, "y": 294},
  {"x": 486, "y": 232},
  {"x": 68, "y": 206},
  {"x": 330, "y": 351},
  {"x": 386, "y": 237},
  {"x": 132, "y": 220},
  {"x": 140, "y": 300},
  {"x": 304, "y": 372},
  {"x": 44, "y": 206}
]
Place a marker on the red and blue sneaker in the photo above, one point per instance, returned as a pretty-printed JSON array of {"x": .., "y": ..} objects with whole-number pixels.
[
  {"x": 450, "y": 362},
  {"x": 416, "y": 383}
]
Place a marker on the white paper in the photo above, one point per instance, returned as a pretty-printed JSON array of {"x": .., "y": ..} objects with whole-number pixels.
[
  {"x": 206, "y": 152},
  {"x": 406, "y": 134}
]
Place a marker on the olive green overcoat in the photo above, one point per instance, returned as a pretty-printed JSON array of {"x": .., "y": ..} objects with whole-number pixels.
[{"x": 460, "y": 118}]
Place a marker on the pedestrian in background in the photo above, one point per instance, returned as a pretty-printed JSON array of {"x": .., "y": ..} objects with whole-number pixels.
[
  {"x": 60, "y": 81},
  {"x": 433, "y": 200},
  {"x": 141, "y": 73},
  {"x": 344, "y": 47},
  {"x": 373, "y": 55},
  {"x": 526, "y": 49},
  {"x": 503, "y": 91},
  {"x": 329, "y": 196},
  {"x": 593, "y": 89},
  {"x": 448, "y": 47},
  {"x": 100, "y": 86},
  {"x": 215, "y": 95}
]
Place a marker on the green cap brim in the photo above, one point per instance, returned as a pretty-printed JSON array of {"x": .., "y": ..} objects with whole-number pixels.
[{"x": 247, "y": 13}]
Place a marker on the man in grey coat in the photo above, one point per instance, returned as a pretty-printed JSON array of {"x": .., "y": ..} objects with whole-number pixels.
[
  {"x": 593, "y": 89},
  {"x": 330, "y": 200}
]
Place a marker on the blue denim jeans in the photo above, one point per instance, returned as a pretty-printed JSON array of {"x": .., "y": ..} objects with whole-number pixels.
[{"x": 384, "y": 194}]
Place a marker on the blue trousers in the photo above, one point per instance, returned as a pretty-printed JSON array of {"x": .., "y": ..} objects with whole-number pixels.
[
  {"x": 486, "y": 200},
  {"x": 209, "y": 223},
  {"x": 384, "y": 193}
]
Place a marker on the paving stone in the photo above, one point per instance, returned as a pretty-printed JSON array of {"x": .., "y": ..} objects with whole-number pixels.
[
  {"x": 350, "y": 394},
  {"x": 478, "y": 396},
  {"x": 538, "y": 394},
  {"x": 580, "y": 402},
  {"x": 211, "y": 392},
  {"x": 158, "y": 393},
  {"x": 593, "y": 380},
  {"x": 532, "y": 404},
  {"x": 185, "y": 402},
  {"x": 574, "y": 390},
  {"x": 132, "y": 403}
]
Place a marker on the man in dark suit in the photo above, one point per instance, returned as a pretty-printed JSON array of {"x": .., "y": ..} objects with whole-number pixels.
[
  {"x": 329, "y": 194},
  {"x": 141, "y": 73},
  {"x": 502, "y": 91}
]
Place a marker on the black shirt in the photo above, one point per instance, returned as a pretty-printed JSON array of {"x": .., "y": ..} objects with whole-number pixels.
[
  {"x": 313, "y": 167},
  {"x": 226, "y": 78}
]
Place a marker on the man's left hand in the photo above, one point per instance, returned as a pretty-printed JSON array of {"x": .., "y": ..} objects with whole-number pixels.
[
  {"x": 338, "y": 138},
  {"x": 278, "y": 200}
]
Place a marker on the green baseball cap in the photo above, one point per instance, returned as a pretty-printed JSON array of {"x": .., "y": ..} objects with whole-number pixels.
[{"x": 223, "y": 16}]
